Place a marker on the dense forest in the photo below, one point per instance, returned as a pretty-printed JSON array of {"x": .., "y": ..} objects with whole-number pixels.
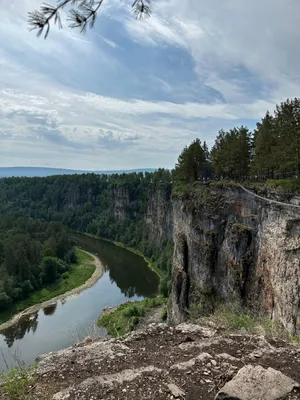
[
  {"x": 33, "y": 253},
  {"x": 86, "y": 202}
]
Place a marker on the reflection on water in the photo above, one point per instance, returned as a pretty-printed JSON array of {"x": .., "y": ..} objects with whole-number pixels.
[
  {"x": 60, "y": 325},
  {"x": 128, "y": 270},
  {"x": 25, "y": 325},
  {"x": 50, "y": 310}
]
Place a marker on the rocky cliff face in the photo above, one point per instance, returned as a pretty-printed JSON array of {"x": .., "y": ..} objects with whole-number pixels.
[
  {"x": 233, "y": 247},
  {"x": 159, "y": 213},
  {"x": 230, "y": 247}
]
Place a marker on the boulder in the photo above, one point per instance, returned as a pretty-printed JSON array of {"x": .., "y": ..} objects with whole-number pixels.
[{"x": 256, "y": 382}]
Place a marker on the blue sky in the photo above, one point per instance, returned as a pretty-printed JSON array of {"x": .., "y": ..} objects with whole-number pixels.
[{"x": 131, "y": 94}]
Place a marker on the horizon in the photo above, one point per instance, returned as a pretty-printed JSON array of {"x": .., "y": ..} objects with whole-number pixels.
[
  {"x": 71, "y": 169},
  {"x": 132, "y": 93}
]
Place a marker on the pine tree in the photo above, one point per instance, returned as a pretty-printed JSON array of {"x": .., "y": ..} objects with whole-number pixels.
[
  {"x": 191, "y": 162},
  {"x": 265, "y": 147},
  {"x": 287, "y": 122},
  {"x": 231, "y": 153}
]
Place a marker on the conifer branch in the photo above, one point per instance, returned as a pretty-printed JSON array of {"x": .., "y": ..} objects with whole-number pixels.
[{"x": 82, "y": 14}]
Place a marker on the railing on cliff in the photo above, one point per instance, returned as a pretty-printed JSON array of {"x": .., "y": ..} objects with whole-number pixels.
[{"x": 269, "y": 200}]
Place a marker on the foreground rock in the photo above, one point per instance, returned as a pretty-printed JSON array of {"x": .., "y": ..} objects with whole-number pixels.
[
  {"x": 256, "y": 382},
  {"x": 185, "y": 362}
]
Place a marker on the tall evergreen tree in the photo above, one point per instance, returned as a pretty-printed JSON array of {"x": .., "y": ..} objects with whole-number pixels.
[
  {"x": 265, "y": 147},
  {"x": 231, "y": 153},
  {"x": 287, "y": 122},
  {"x": 191, "y": 162}
]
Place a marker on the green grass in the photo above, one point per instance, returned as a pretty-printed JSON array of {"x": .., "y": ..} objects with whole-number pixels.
[
  {"x": 181, "y": 187},
  {"x": 17, "y": 381},
  {"x": 234, "y": 319},
  {"x": 127, "y": 316},
  {"x": 78, "y": 275},
  {"x": 291, "y": 185}
]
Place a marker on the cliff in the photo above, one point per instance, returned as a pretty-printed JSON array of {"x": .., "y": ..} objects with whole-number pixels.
[{"x": 234, "y": 247}]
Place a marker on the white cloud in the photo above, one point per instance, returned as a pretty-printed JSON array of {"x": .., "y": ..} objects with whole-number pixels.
[
  {"x": 261, "y": 36},
  {"x": 247, "y": 52}
]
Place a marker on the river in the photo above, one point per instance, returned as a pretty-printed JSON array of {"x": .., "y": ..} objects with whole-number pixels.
[{"x": 126, "y": 277}]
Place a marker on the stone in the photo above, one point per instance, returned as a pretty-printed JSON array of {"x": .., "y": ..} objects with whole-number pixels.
[
  {"x": 256, "y": 382},
  {"x": 176, "y": 392},
  {"x": 228, "y": 357}
]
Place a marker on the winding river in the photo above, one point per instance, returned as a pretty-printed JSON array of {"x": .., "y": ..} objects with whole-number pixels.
[{"x": 126, "y": 277}]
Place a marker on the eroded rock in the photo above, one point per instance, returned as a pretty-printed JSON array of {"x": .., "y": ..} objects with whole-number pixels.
[{"x": 256, "y": 382}]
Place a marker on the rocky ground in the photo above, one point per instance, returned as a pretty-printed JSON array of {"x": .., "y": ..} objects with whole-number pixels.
[{"x": 161, "y": 362}]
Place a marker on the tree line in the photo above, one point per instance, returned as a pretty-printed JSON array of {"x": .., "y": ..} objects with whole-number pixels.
[
  {"x": 271, "y": 150},
  {"x": 33, "y": 253}
]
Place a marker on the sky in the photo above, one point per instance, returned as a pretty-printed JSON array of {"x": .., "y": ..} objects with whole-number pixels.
[{"x": 132, "y": 93}]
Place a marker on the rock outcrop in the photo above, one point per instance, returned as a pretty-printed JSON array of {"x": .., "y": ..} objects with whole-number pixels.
[
  {"x": 161, "y": 362},
  {"x": 234, "y": 247}
]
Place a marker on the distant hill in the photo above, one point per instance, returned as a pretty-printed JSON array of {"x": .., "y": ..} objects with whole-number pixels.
[{"x": 6, "y": 172}]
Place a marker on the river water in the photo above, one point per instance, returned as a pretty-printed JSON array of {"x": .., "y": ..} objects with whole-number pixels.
[{"x": 126, "y": 277}]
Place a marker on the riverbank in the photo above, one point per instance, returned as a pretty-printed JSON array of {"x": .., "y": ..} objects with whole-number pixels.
[
  {"x": 122, "y": 319},
  {"x": 90, "y": 268}
]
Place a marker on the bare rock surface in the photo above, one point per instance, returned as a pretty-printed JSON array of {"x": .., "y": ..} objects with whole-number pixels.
[
  {"x": 162, "y": 362},
  {"x": 256, "y": 382}
]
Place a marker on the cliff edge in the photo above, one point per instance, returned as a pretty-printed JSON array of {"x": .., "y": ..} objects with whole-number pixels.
[{"x": 161, "y": 362}]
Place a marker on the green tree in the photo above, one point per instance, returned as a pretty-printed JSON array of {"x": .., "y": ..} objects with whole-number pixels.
[
  {"x": 50, "y": 247},
  {"x": 49, "y": 267},
  {"x": 191, "y": 162},
  {"x": 231, "y": 153},
  {"x": 287, "y": 125},
  {"x": 265, "y": 147}
]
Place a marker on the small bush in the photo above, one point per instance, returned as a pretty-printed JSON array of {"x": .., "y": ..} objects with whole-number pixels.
[
  {"x": 66, "y": 275},
  {"x": 134, "y": 311},
  {"x": 17, "y": 382},
  {"x": 164, "y": 314},
  {"x": 126, "y": 317},
  {"x": 165, "y": 286}
]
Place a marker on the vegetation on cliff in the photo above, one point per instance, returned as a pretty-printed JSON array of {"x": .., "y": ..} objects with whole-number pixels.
[{"x": 124, "y": 318}]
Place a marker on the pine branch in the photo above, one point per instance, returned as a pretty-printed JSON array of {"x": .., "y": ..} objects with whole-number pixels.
[{"x": 82, "y": 15}]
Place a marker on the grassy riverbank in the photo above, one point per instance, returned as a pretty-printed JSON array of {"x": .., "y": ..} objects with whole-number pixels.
[
  {"x": 124, "y": 318},
  {"x": 77, "y": 275}
]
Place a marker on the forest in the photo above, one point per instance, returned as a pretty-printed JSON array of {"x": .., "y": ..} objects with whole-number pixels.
[
  {"x": 85, "y": 203},
  {"x": 33, "y": 253}
]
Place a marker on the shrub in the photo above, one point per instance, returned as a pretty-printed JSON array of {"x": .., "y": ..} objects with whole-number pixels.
[
  {"x": 66, "y": 275},
  {"x": 134, "y": 311},
  {"x": 165, "y": 286},
  {"x": 17, "y": 382},
  {"x": 164, "y": 314}
]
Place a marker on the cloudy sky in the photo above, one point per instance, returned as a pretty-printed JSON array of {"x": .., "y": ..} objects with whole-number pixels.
[{"x": 130, "y": 93}]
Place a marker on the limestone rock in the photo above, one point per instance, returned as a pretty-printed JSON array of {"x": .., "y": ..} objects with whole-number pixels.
[
  {"x": 176, "y": 391},
  {"x": 256, "y": 382}
]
